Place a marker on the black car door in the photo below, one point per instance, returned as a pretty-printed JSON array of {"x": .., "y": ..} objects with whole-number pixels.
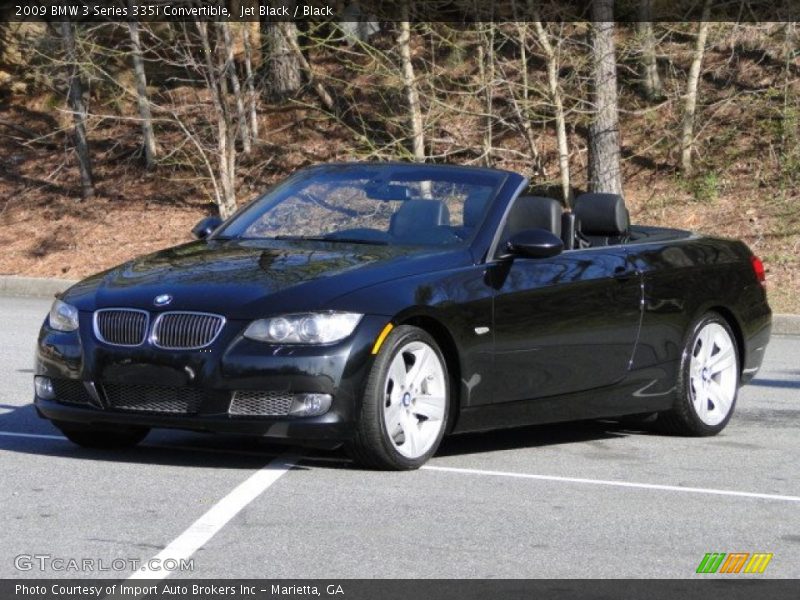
[{"x": 563, "y": 324}]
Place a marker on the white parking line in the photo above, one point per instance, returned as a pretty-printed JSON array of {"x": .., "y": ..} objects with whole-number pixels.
[
  {"x": 625, "y": 484},
  {"x": 207, "y": 526},
  {"x": 485, "y": 472},
  {"x": 202, "y": 530}
]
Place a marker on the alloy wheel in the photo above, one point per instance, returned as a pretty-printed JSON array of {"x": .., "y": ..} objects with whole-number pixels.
[
  {"x": 414, "y": 399},
  {"x": 713, "y": 374}
]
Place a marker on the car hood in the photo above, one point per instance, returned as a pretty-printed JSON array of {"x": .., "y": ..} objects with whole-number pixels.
[{"x": 249, "y": 279}]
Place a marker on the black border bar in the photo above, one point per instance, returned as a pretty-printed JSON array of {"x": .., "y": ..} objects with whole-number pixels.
[
  {"x": 451, "y": 11},
  {"x": 741, "y": 587}
]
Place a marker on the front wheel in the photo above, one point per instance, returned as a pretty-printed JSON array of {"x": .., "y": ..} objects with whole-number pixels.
[
  {"x": 104, "y": 438},
  {"x": 709, "y": 380},
  {"x": 405, "y": 405}
]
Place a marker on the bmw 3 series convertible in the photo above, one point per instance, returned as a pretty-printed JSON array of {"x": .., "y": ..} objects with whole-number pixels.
[{"x": 384, "y": 306}]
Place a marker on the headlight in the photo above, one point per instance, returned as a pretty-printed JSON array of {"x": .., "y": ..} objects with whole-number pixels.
[
  {"x": 306, "y": 328},
  {"x": 63, "y": 316}
]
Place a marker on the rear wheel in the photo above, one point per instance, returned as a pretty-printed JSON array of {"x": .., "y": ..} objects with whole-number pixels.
[
  {"x": 405, "y": 405},
  {"x": 709, "y": 380},
  {"x": 106, "y": 438}
]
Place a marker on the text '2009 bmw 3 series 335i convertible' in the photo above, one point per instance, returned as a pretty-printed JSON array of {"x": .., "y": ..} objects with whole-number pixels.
[{"x": 384, "y": 306}]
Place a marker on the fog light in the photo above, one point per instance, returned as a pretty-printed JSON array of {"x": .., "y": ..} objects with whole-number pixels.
[
  {"x": 310, "y": 405},
  {"x": 44, "y": 388}
]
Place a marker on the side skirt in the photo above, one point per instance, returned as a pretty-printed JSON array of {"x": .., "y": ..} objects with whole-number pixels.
[{"x": 646, "y": 390}]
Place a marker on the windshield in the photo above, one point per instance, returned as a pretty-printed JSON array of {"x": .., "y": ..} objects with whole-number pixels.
[{"x": 371, "y": 204}]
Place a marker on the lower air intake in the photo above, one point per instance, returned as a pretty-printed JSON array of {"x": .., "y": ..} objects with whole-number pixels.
[
  {"x": 71, "y": 391},
  {"x": 261, "y": 404},
  {"x": 153, "y": 399}
]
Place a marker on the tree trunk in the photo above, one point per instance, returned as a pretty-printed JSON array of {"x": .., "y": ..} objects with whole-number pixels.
[
  {"x": 651, "y": 82},
  {"x": 486, "y": 70},
  {"x": 226, "y": 147},
  {"x": 789, "y": 132},
  {"x": 149, "y": 138},
  {"x": 558, "y": 109},
  {"x": 690, "y": 106},
  {"x": 229, "y": 70},
  {"x": 78, "y": 109},
  {"x": 283, "y": 65},
  {"x": 604, "y": 167},
  {"x": 327, "y": 99},
  {"x": 523, "y": 111},
  {"x": 412, "y": 94},
  {"x": 250, "y": 80},
  {"x": 254, "y": 31}
]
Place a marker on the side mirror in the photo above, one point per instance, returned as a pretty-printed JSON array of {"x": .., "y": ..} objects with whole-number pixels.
[
  {"x": 534, "y": 243},
  {"x": 206, "y": 227}
]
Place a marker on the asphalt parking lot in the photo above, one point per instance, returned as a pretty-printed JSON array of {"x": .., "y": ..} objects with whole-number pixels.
[{"x": 574, "y": 500}]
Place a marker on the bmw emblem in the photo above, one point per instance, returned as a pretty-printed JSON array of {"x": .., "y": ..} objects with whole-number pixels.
[{"x": 162, "y": 300}]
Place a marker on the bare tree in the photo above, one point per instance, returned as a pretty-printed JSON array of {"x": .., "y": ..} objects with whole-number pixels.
[
  {"x": 249, "y": 82},
  {"x": 78, "y": 109},
  {"x": 651, "y": 82},
  {"x": 558, "y": 108},
  {"x": 410, "y": 83},
  {"x": 522, "y": 106},
  {"x": 690, "y": 101},
  {"x": 790, "y": 142},
  {"x": 486, "y": 73},
  {"x": 230, "y": 72},
  {"x": 142, "y": 99},
  {"x": 226, "y": 138},
  {"x": 604, "y": 166},
  {"x": 282, "y": 61},
  {"x": 294, "y": 47}
]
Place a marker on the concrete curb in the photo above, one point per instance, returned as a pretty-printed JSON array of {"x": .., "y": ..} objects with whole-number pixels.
[
  {"x": 786, "y": 324},
  {"x": 11, "y": 285}
]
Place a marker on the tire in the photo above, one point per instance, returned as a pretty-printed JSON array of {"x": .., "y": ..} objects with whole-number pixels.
[
  {"x": 102, "y": 438},
  {"x": 708, "y": 382},
  {"x": 404, "y": 411}
]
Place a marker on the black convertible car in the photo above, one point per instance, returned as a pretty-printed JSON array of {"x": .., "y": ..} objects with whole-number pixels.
[{"x": 385, "y": 305}]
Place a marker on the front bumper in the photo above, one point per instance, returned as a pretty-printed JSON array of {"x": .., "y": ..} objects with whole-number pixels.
[
  {"x": 328, "y": 427},
  {"x": 231, "y": 364}
]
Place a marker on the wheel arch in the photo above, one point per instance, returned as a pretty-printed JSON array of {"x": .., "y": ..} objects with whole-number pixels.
[
  {"x": 730, "y": 318},
  {"x": 441, "y": 334}
]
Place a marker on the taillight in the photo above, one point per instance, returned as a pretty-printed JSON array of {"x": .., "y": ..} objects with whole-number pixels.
[{"x": 758, "y": 269}]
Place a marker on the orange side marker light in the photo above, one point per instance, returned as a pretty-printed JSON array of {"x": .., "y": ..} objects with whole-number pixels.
[{"x": 379, "y": 342}]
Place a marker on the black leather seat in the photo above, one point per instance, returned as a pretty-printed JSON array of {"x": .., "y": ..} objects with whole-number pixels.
[
  {"x": 420, "y": 220},
  {"x": 474, "y": 207},
  {"x": 602, "y": 219},
  {"x": 534, "y": 212}
]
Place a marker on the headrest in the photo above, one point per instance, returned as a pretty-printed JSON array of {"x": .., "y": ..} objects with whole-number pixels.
[
  {"x": 534, "y": 212},
  {"x": 416, "y": 215},
  {"x": 474, "y": 206},
  {"x": 601, "y": 214}
]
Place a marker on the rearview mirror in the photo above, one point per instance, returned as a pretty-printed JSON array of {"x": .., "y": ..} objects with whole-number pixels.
[
  {"x": 387, "y": 192},
  {"x": 206, "y": 227},
  {"x": 534, "y": 243}
]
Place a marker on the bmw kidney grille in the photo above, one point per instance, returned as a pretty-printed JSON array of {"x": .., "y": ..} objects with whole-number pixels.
[
  {"x": 175, "y": 330},
  {"x": 121, "y": 326},
  {"x": 186, "y": 330}
]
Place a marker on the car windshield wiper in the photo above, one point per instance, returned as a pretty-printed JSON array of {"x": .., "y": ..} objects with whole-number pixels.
[
  {"x": 318, "y": 238},
  {"x": 303, "y": 238}
]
